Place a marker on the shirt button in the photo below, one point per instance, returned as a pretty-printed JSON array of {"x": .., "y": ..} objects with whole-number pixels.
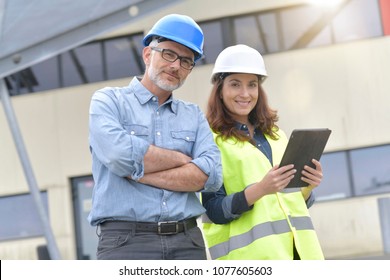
[
  {"x": 158, "y": 113},
  {"x": 187, "y": 138},
  {"x": 154, "y": 98},
  {"x": 158, "y": 133},
  {"x": 132, "y": 132}
]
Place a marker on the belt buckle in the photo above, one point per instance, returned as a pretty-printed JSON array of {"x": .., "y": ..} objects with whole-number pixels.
[{"x": 167, "y": 228}]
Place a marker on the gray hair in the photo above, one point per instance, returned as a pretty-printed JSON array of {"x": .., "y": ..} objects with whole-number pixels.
[{"x": 154, "y": 42}]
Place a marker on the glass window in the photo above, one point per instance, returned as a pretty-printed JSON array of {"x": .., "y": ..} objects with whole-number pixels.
[
  {"x": 82, "y": 65},
  {"x": 213, "y": 41},
  {"x": 270, "y": 32},
  {"x": 249, "y": 32},
  {"x": 335, "y": 183},
  {"x": 39, "y": 77},
  {"x": 16, "y": 83},
  {"x": 82, "y": 188},
  {"x": 371, "y": 170},
  {"x": 46, "y": 74},
  {"x": 19, "y": 216},
  {"x": 69, "y": 72},
  {"x": 89, "y": 62},
  {"x": 359, "y": 19},
  {"x": 123, "y": 57},
  {"x": 296, "y": 22}
]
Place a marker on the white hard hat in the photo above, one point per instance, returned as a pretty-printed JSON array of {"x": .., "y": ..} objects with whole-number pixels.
[{"x": 240, "y": 59}]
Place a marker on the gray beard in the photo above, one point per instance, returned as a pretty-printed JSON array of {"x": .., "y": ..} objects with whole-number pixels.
[{"x": 154, "y": 77}]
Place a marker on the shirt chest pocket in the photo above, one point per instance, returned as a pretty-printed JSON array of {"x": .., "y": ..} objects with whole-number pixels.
[
  {"x": 183, "y": 141},
  {"x": 137, "y": 130}
]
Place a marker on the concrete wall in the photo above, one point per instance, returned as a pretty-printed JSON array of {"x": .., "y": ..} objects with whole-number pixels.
[{"x": 342, "y": 87}]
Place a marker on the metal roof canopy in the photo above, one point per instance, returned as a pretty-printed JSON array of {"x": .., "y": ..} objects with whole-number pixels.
[{"x": 33, "y": 31}]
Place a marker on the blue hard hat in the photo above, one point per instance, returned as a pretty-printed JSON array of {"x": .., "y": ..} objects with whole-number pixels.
[{"x": 181, "y": 29}]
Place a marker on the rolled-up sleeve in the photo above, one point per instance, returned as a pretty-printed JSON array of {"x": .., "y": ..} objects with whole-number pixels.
[
  {"x": 212, "y": 169},
  {"x": 310, "y": 200},
  {"x": 206, "y": 155},
  {"x": 113, "y": 146}
]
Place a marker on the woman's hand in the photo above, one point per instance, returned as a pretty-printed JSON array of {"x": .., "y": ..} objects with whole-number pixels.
[
  {"x": 278, "y": 178},
  {"x": 312, "y": 176},
  {"x": 274, "y": 181}
]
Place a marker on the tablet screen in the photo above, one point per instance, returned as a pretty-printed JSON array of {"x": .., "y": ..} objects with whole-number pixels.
[{"x": 302, "y": 147}]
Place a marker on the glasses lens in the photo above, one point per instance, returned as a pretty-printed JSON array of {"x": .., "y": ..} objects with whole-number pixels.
[
  {"x": 171, "y": 56},
  {"x": 186, "y": 63}
]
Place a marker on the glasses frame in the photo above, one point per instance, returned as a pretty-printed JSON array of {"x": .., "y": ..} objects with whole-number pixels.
[{"x": 163, "y": 51}]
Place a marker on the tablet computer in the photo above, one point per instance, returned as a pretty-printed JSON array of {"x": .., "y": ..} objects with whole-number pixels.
[{"x": 302, "y": 147}]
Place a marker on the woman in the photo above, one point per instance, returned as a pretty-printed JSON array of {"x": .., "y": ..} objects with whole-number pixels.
[{"x": 252, "y": 216}]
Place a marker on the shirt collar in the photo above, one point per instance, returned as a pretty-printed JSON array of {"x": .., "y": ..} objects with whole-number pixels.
[
  {"x": 244, "y": 128},
  {"x": 144, "y": 95},
  {"x": 241, "y": 126}
]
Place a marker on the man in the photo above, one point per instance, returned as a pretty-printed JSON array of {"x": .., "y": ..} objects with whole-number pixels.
[{"x": 151, "y": 153}]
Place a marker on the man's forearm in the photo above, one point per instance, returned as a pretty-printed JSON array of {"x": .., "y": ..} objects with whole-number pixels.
[
  {"x": 159, "y": 159},
  {"x": 186, "y": 178}
]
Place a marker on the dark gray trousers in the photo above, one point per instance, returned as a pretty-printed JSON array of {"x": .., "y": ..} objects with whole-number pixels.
[{"x": 126, "y": 244}]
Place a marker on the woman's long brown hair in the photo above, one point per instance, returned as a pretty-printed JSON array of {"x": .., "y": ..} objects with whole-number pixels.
[{"x": 221, "y": 121}]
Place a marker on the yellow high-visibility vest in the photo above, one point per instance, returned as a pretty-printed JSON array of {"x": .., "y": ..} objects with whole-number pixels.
[{"x": 275, "y": 223}]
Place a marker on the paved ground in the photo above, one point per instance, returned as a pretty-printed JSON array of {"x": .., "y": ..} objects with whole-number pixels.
[{"x": 368, "y": 257}]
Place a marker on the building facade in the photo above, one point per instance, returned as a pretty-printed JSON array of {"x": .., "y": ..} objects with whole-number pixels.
[{"x": 328, "y": 67}]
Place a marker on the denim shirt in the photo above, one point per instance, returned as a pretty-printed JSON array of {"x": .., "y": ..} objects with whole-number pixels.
[{"x": 124, "y": 122}]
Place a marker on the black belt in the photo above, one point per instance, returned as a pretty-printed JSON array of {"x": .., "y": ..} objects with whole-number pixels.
[{"x": 162, "y": 228}]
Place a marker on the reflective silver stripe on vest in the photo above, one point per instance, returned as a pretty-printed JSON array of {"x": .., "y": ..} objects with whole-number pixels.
[
  {"x": 291, "y": 190},
  {"x": 257, "y": 232}
]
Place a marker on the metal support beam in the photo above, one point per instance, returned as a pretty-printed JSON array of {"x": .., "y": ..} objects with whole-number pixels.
[{"x": 28, "y": 172}]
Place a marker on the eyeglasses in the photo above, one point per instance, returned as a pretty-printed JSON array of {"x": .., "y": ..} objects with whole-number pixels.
[{"x": 171, "y": 56}]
